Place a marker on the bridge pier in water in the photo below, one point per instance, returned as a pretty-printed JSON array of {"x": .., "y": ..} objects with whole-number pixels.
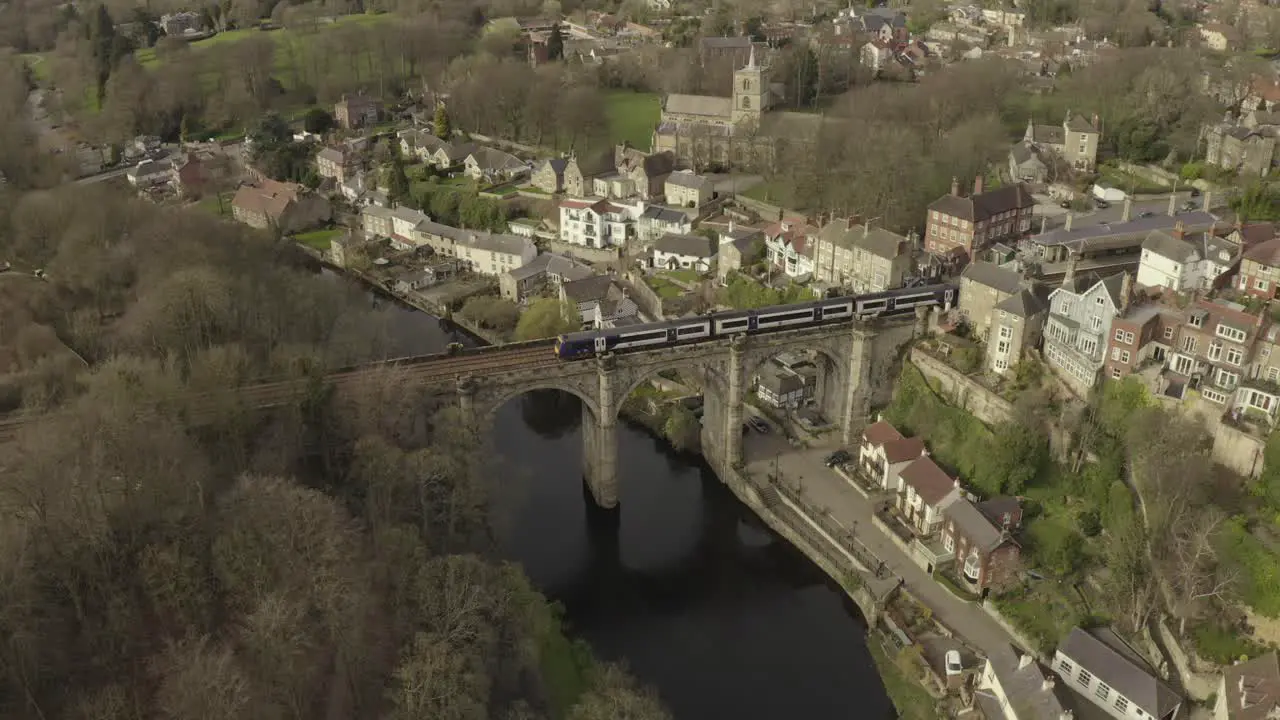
[{"x": 600, "y": 439}]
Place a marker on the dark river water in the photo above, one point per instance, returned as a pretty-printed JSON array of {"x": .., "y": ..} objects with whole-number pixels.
[{"x": 682, "y": 584}]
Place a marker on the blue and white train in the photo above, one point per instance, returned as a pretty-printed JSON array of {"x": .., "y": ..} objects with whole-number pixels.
[{"x": 903, "y": 301}]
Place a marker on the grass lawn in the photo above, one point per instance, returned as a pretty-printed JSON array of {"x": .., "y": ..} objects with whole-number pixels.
[
  {"x": 632, "y": 117},
  {"x": 664, "y": 288},
  {"x": 210, "y": 204},
  {"x": 685, "y": 276},
  {"x": 910, "y": 699},
  {"x": 770, "y": 191},
  {"x": 147, "y": 56},
  {"x": 319, "y": 239}
]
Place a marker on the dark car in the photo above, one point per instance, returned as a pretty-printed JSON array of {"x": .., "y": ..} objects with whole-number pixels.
[
  {"x": 1146, "y": 214},
  {"x": 838, "y": 457},
  {"x": 1188, "y": 205},
  {"x": 1065, "y": 204},
  {"x": 1195, "y": 192},
  {"x": 757, "y": 424},
  {"x": 1101, "y": 204}
]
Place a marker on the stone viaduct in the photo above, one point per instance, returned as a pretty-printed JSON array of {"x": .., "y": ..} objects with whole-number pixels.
[{"x": 855, "y": 360}]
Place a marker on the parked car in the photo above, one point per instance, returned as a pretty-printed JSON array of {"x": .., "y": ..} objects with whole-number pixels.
[
  {"x": 1195, "y": 192},
  {"x": 1101, "y": 204},
  {"x": 758, "y": 425},
  {"x": 954, "y": 667},
  {"x": 1188, "y": 205},
  {"x": 1065, "y": 204},
  {"x": 1146, "y": 214},
  {"x": 838, "y": 457}
]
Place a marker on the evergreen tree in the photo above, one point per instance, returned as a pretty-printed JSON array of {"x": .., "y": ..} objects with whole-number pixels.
[
  {"x": 397, "y": 178},
  {"x": 443, "y": 128},
  {"x": 555, "y": 43}
]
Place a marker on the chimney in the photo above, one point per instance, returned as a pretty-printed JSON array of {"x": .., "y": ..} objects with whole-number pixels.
[
  {"x": 1126, "y": 292},
  {"x": 955, "y": 186},
  {"x": 1070, "y": 274},
  {"x": 1097, "y": 124},
  {"x": 1127, "y": 215},
  {"x": 1068, "y": 225},
  {"x": 1208, "y": 201},
  {"x": 1173, "y": 204},
  {"x": 1024, "y": 661},
  {"x": 977, "y": 184},
  {"x": 1179, "y": 229},
  {"x": 1044, "y": 224},
  {"x": 730, "y": 226}
]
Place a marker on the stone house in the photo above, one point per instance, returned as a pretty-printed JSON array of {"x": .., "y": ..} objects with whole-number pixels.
[
  {"x": 1250, "y": 690},
  {"x": 1026, "y": 165},
  {"x": 449, "y": 155},
  {"x": 1239, "y": 148},
  {"x": 980, "y": 537},
  {"x": 881, "y": 260},
  {"x": 1260, "y": 270},
  {"x": 356, "y": 111},
  {"x": 685, "y": 188},
  {"x": 1079, "y": 323},
  {"x": 492, "y": 254},
  {"x": 149, "y": 173},
  {"x": 1143, "y": 332},
  {"x": 337, "y": 163},
  {"x": 648, "y": 172},
  {"x": 1098, "y": 666},
  {"x": 684, "y": 252},
  {"x": 288, "y": 207},
  {"x": 970, "y": 224},
  {"x": 188, "y": 175},
  {"x": 600, "y": 301},
  {"x": 1017, "y": 324},
  {"x": 788, "y": 249},
  {"x": 1212, "y": 348},
  {"x": 739, "y": 247},
  {"x": 488, "y": 165},
  {"x": 579, "y": 172},
  {"x": 547, "y": 270},
  {"x": 983, "y": 286},
  {"x": 419, "y": 143},
  {"x": 927, "y": 491},
  {"x": 549, "y": 175},
  {"x": 1075, "y": 140},
  {"x": 657, "y": 221}
]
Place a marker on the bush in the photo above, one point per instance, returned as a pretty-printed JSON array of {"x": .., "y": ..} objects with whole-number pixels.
[
  {"x": 1223, "y": 645},
  {"x": 491, "y": 312},
  {"x": 1089, "y": 522}
]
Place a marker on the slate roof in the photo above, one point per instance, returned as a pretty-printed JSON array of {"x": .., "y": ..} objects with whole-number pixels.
[
  {"x": 587, "y": 289},
  {"x": 1048, "y": 134},
  {"x": 1077, "y": 123},
  {"x": 993, "y": 276},
  {"x": 1023, "y": 153},
  {"x": 689, "y": 245},
  {"x": 565, "y": 267},
  {"x": 491, "y": 159},
  {"x": 495, "y": 242},
  {"x": 664, "y": 214},
  {"x": 973, "y": 525},
  {"x": 1026, "y": 688},
  {"x": 1108, "y": 658},
  {"x": 1169, "y": 246},
  {"x": 1252, "y": 689},
  {"x": 879, "y": 433},
  {"x": 930, "y": 481},
  {"x": 1255, "y": 233},
  {"x": 557, "y": 164},
  {"x": 1023, "y": 303},
  {"x": 704, "y": 105},
  {"x": 976, "y": 208},
  {"x": 879, "y": 242},
  {"x": 1194, "y": 221},
  {"x": 689, "y": 179},
  {"x": 333, "y": 155}
]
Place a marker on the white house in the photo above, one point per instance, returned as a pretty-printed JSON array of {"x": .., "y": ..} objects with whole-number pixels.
[
  {"x": 1021, "y": 691},
  {"x": 491, "y": 165},
  {"x": 927, "y": 491},
  {"x": 1184, "y": 262},
  {"x": 491, "y": 253},
  {"x": 685, "y": 188},
  {"x": 790, "y": 252},
  {"x": 598, "y": 223},
  {"x": 149, "y": 173},
  {"x": 1101, "y": 668},
  {"x": 684, "y": 252},
  {"x": 403, "y": 222},
  {"x": 657, "y": 221}
]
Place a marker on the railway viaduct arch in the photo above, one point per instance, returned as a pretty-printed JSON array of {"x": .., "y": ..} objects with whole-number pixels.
[{"x": 724, "y": 367}]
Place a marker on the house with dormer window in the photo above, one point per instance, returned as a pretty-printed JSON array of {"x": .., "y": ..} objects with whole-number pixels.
[
  {"x": 1079, "y": 324},
  {"x": 884, "y": 454},
  {"x": 1213, "y": 347},
  {"x": 927, "y": 490},
  {"x": 788, "y": 248}
]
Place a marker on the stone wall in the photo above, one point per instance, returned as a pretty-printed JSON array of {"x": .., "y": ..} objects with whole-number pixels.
[
  {"x": 991, "y": 610},
  {"x": 1198, "y": 685},
  {"x": 1146, "y": 172},
  {"x": 766, "y": 211},
  {"x": 643, "y": 295},
  {"x": 1237, "y": 450},
  {"x": 591, "y": 255},
  {"x": 962, "y": 391}
]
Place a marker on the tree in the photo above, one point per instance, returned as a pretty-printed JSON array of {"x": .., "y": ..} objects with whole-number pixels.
[
  {"x": 398, "y": 186},
  {"x": 545, "y": 318},
  {"x": 682, "y": 428},
  {"x": 441, "y": 126},
  {"x": 614, "y": 695},
  {"x": 555, "y": 43},
  {"x": 491, "y": 312},
  {"x": 318, "y": 121},
  {"x": 1193, "y": 570}
]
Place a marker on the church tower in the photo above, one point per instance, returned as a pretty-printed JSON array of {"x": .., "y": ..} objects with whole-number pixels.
[{"x": 750, "y": 91}]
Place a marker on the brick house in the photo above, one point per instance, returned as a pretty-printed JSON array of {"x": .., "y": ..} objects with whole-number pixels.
[
  {"x": 187, "y": 176},
  {"x": 1212, "y": 348},
  {"x": 338, "y": 163},
  {"x": 980, "y": 536},
  {"x": 1260, "y": 269},
  {"x": 352, "y": 112},
  {"x": 1142, "y": 333},
  {"x": 971, "y": 224}
]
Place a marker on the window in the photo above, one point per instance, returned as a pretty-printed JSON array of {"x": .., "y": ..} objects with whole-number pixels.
[
  {"x": 1235, "y": 356},
  {"x": 1115, "y": 353},
  {"x": 1124, "y": 357},
  {"x": 1065, "y": 667},
  {"x": 1231, "y": 333},
  {"x": 1226, "y": 379},
  {"x": 1096, "y": 322},
  {"x": 1115, "y": 373},
  {"x": 1259, "y": 400},
  {"x": 1084, "y": 140},
  {"x": 949, "y": 542},
  {"x": 1188, "y": 344},
  {"x": 1102, "y": 692},
  {"x": 1119, "y": 336},
  {"x": 1196, "y": 321},
  {"x": 1273, "y": 374},
  {"x": 1182, "y": 365},
  {"x": 973, "y": 567},
  {"x": 1100, "y": 300},
  {"x": 1168, "y": 333},
  {"x": 1084, "y": 678},
  {"x": 1006, "y": 332},
  {"x": 1002, "y": 364},
  {"x": 1213, "y": 395},
  {"x": 1122, "y": 703},
  {"x": 1215, "y": 350},
  {"x": 1260, "y": 284},
  {"x": 746, "y": 102}
]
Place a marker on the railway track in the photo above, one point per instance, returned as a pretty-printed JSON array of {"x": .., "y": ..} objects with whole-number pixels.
[{"x": 430, "y": 370}]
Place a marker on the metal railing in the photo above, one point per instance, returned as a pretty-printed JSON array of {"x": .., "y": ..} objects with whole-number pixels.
[{"x": 844, "y": 537}]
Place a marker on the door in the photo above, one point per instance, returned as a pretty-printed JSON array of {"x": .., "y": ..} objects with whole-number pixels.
[
  {"x": 601, "y": 344},
  {"x": 753, "y": 324},
  {"x": 817, "y": 314}
]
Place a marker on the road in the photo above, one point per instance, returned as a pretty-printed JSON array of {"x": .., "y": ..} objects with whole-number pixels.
[
  {"x": 1056, "y": 216},
  {"x": 764, "y": 453}
]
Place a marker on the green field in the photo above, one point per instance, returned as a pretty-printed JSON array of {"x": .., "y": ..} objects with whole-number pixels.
[
  {"x": 285, "y": 39},
  {"x": 632, "y": 117},
  {"x": 319, "y": 239}
]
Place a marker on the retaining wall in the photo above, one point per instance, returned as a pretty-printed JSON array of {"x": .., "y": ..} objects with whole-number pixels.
[
  {"x": 1238, "y": 450},
  {"x": 591, "y": 255}
]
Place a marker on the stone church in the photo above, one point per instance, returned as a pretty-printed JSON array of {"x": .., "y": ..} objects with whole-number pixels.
[{"x": 739, "y": 132}]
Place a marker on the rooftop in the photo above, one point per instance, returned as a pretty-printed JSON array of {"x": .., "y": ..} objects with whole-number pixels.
[
  {"x": 1194, "y": 221},
  {"x": 931, "y": 482},
  {"x": 1112, "y": 661}
]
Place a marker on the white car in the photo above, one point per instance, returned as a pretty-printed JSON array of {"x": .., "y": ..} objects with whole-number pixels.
[{"x": 952, "y": 661}]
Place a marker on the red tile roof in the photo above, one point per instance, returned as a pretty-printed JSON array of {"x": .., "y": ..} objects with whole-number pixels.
[
  {"x": 896, "y": 451},
  {"x": 1266, "y": 253},
  {"x": 929, "y": 481},
  {"x": 879, "y": 433}
]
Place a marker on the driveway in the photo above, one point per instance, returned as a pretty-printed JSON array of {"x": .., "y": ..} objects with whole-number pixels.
[{"x": 828, "y": 489}]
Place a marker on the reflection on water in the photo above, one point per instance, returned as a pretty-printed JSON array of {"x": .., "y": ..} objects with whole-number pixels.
[{"x": 682, "y": 583}]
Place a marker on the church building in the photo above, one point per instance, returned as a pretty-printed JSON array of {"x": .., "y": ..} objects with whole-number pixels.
[{"x": 709, "y": 131}]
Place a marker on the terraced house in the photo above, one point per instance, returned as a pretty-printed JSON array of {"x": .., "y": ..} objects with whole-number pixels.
[
  {"x": 959, "y": 225},
  {"x": 1212, "y": 348}
]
